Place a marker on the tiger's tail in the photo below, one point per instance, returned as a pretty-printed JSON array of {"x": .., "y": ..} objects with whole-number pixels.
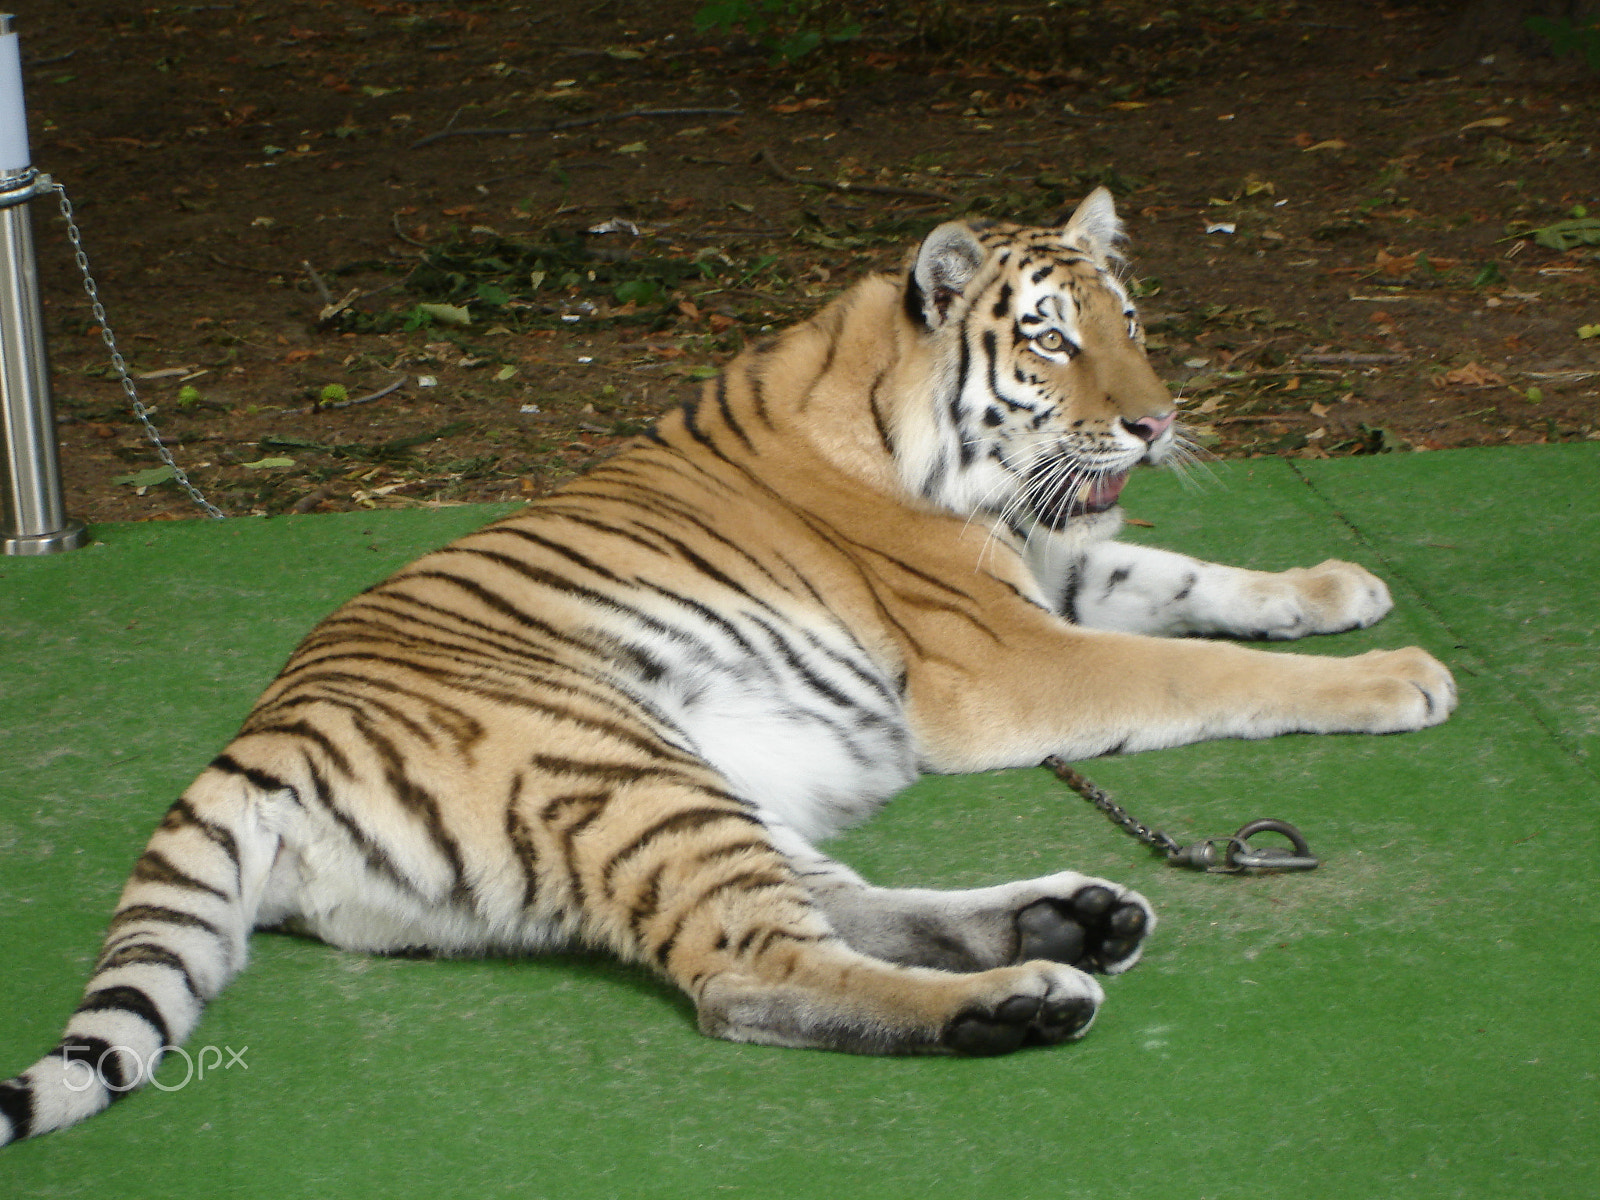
[{"x": 180, "y": 933}]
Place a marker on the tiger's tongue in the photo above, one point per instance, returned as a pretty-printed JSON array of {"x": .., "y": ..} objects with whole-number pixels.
[{"x": 1103, "y": 492}]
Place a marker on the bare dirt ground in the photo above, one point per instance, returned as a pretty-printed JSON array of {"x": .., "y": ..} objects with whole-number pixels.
[{"x": 294, "y": 207}]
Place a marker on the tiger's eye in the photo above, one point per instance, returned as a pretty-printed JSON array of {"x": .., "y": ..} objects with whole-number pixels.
[{"x": 1051, "y": 340}]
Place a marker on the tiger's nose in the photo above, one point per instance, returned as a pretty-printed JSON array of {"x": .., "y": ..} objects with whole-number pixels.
[{"x": 1149, "y": 428}]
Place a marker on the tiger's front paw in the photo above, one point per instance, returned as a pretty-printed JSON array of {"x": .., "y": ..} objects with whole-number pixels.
[
  {"x": 1331, "y": 597},
  {"x": 1041, "y": 1003},
  {"x": 1396, "y": 691}
]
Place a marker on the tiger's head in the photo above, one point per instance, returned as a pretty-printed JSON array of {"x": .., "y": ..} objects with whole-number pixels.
[{"x": 1039, "y": 397}]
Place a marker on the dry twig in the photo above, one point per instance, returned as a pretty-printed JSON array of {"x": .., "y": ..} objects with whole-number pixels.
[
  {"x": 871, "y": 189},
  {"x": 367, "y": 399},
  {"x": 576, "y": 123}
]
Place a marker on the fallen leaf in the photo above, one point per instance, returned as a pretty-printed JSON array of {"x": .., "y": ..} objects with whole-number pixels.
[
  {"x": 1472, "y": 375},
  {"x": 1487, "y": 123},
  {"x": 146, "y": 478},
  {"x": 1330, "y": 144},
  {"x": 794, "y": 106},
  {"x": 261, "y": 464},
  {"x": 448, "y": 314},
  {"x": 1395, "y": 264}
]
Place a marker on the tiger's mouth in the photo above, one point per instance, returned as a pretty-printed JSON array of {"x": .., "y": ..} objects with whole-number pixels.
[{"x": 1060, "y": 497}]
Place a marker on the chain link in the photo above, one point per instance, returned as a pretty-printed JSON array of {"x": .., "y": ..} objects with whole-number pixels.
[
  {"x": 1120, "y": 817},
  {"x": 120, "y": 365}
]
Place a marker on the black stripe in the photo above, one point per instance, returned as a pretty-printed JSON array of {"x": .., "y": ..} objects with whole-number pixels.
[
  {"x": 622, "y": 773},
  {"x": 914, "y": 302},
  {"x": 689, "y": 412},
  {"x": 16, "y": 1103},
  {"x": 834, "y": 319},
  {"x": 720, "y": 389},
  {"x": 377, "y": 860},
  {"x": 1002, "y": 306},
  {"x": 322, "y": 691},
  {"x": 260, "y": 779},
  {"x": 1068, "y": 604},
  {"x": 182, "y": 814},
  {"x": 505, "y": 645},
  {"x": 885, "y": 439},
  {"x": 933, "y": 482},
  {"x": 916, "y": 573},
  {"x": 155, "y": 867},
  {"x": 600, "y": 599},
  {"x": 565, "y": 551},
  {"x": 518, "y": 699},
  {"x": 306, "y": 731},
  {"x": 757, "y": 385},
  {"x": 648, "y": 901},
  {"x": 964, "y": 451},
  {"x": 592, "y": 805},
  {"x": 991, "y": 351},
  {"x": 166, "y": 916},
  {"x": 148, "y": 954},
  {"x": 576, "y": 516},
  {"x": 802, "y": 669},
  {"x": 1116, "y": 579},
  {"x": 123, "y": 998},
  {"x": 479, "y": 640},
  {"x": 420, "y": 802},
  {"x": 97, "y": 1054},
  {"x": 745, "y": 881},
  {"x": 533, "y": 573},
  {"x": 683, "y": 821},
  {"x": 521, "y": 835}
]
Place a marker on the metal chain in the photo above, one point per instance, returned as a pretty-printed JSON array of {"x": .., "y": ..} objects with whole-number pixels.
[
  {"x": 1229, "y": 856},
  {"x": 121, "y": 366},
  {"x": 1120, "y": 817}
]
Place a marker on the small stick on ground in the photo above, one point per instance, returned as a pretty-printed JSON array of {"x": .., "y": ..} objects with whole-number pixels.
[
  {"x": 871, "y": 189},
  {"x": 1351, "y": 358},
  {"x": 450, "y": 131},
  {"x": 316, "y": 282},
  {"x": 367, "y": 399}
]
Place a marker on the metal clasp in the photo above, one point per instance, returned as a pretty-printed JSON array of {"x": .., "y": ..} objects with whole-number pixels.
[{"x": 1235, "y": 855}]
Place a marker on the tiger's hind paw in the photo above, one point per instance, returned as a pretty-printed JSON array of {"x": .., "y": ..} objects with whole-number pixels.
[{"x": 1094, "y": 929}]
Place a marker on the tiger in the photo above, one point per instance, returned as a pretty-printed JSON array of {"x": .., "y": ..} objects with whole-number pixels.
[{"x": 879, "y": 544}]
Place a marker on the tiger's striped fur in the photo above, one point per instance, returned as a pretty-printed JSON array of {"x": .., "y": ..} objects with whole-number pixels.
[{"x": 877, "y": 546}]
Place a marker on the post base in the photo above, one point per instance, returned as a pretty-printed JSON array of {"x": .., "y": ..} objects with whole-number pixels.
[{"x": 70, "y": 537}]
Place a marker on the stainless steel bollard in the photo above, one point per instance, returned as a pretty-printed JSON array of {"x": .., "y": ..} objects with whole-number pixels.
[{"x": 32, "y": 512}]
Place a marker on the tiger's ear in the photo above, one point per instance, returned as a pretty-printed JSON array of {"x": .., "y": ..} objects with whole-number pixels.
[
  {"x": 1095, "y": 226},
  {"x": 946, "y": 262}
]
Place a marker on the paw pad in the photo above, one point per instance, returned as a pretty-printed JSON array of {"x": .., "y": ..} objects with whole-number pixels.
[
  {"x": 1016, "y": 1021},
  {"x": 1093, "y": 930}
]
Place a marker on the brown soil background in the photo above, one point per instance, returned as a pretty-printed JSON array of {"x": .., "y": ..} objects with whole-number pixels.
[{"x": 236, "y": 166}]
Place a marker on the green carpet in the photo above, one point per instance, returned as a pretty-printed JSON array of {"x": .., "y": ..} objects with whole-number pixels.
[{"x": 1416, "y": 1019}]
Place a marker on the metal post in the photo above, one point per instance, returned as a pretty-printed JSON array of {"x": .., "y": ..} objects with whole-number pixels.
[{"x": 32, "y": 512}]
